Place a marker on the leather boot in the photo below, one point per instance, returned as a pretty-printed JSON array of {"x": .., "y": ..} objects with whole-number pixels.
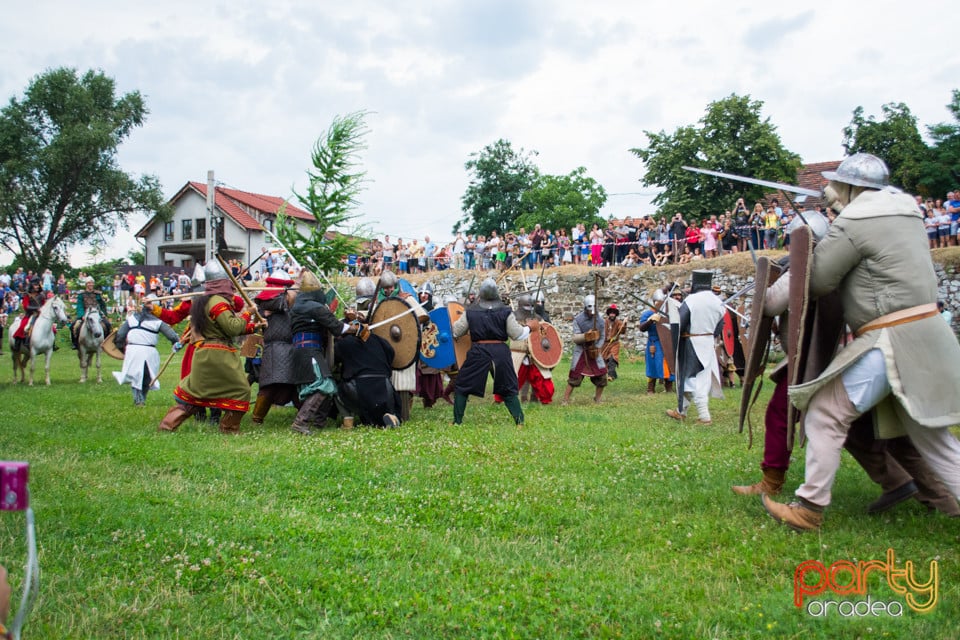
[
  {"x": 771, "y": 484},
  {"x": 668, "y": 386},
  {"x": 799, "y": 515},
  {"x": 230, "y": 422},
  {"x": 406, "y": 400},
  {"x": 260, "y": 409},
  {"x": 651, "y": 386},
  {"x": 176, "y": 416}
]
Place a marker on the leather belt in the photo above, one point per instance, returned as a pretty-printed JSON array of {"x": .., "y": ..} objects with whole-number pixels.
[
  {"x": 899, "y": 317},
  {"x": 694, "y": 335},
  {"x": 488, "y": 342}
]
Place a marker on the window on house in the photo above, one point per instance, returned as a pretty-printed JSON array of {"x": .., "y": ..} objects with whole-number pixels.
[
  {"x": 187, "y": 228},
  {"x": 168, "y": 231},
  {"x": 268, "y": 224},
  {"x": 201, "y": 228}
]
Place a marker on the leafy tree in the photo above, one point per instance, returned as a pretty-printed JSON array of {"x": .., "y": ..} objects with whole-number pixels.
[
  {"x": 500, "y": 176},
  {"x": 895, "y": 138},
  {"x": 940, "y": 173},
  {"x": 733, "y": 138},
  {"x": 60, "y": 183},
  {"x": 562, "y": 201},
  {"x": 135, "y": 256},
  {"x": 335, "y": 183}
]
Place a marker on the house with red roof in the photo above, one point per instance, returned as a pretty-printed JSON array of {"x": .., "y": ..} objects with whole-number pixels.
[{"x": 190, "y": 236}]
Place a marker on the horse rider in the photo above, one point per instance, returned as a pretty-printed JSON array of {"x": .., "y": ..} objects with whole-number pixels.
[
  {"x": 89, "y": 298},
  {"x": 32, "y": 303}
]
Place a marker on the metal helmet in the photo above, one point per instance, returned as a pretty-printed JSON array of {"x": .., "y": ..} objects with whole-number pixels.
[
  {"x": 213, "y": 270},
  {"x": 818, "y": 223},
  {"x": 590, "y": 304},
  {"x": 861, "y": 170},
  {"x": 489, "y": 297},
  {"x": 524, "y": 310},
  {"x": 427, "y": 288},
  {"x": 309, "y": 282},
  {"x": 365, "y": 292},
  {"x": 198, "y": 276},
  {"x": 448, "y": 298},
  {"x": 388, "y": 279},
  {"x": 366, "y": 288}
]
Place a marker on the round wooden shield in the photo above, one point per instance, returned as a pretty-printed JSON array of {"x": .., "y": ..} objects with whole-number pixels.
[
  {"x": 401, "y": 330},
  {"x": 462, "y": 344},
  {"x": 729, "y": 333},
  {"x": 546, "y": 347},
  {"x": 110, "y": 346}
]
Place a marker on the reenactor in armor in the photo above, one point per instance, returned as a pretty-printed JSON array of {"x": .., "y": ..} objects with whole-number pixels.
[
  {"x": 530, "y": 374},
  {"x": 429, "y": 380},
  {"x": 613, "y": 328},
  {"x": 587, "y": 360},
  {"x": 216, "y": 379},
  {"x": 404, "y": 380},
  {"x": 276, "y": 385},
  {"x": 902, "y": 362},
  {"x": 311, "y": 322},
  {"x": 88, "y": 299},
  {"x": 490, "y": 324},
  {"x": 365, "y": 393}
]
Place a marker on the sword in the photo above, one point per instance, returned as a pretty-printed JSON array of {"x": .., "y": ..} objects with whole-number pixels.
[
  {"x": 391, "y": 319},
  {"x": 763, "y": 183}
]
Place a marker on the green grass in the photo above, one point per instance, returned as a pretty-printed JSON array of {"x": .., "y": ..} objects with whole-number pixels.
[{"x": 591, "y": 522}]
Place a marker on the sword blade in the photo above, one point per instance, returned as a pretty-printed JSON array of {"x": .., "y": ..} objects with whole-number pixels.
[{"x": 763, "y": 183}]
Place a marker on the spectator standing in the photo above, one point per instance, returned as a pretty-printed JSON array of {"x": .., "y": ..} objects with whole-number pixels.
[
  {"x": 596, "y": 245},
  {"x": 771, "y": 228},
  {"x": 952, "y": 206},
  {"x": 608, "y": 255},
  {"x": 563, "y": 247},
  {"x": 536, "y": 243},
  {"x": 576, "y": 240},
  {"x": 931, "y": 223},
  {"x": 678, "y": 235},
  {"x": 403, "y": 257},
  {"x": 459, "y": 250},
  {"x": 708, "y": 233},
  {"x": 729, "y": 237},
  {"x": 429, "y": 253}
]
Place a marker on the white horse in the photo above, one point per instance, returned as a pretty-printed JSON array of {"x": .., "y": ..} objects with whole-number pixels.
[
  {"x": 42, "y": 338},
  {"x": 90, "y": 342}
]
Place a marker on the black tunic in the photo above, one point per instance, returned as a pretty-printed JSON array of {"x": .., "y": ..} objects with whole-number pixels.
[
  {"x": 365, "y": 388},
  {"x": 487, "y": 324},
  {"x": 311, "y": 322}
]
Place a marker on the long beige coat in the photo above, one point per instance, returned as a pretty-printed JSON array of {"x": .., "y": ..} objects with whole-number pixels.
[{"x": 876, "y": 255}]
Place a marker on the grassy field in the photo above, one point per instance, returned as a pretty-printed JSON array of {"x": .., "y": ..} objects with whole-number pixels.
[{"x": 607, "y": 521}]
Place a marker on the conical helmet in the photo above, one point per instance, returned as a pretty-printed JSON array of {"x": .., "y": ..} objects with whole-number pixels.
[
  {"x": 309, "y": 282},
  {"x": 213, "y": 270},
  {"x": 198, "y": 276}
]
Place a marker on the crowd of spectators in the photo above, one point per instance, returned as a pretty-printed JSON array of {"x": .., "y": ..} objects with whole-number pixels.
[{"x": 646, "y": 240}]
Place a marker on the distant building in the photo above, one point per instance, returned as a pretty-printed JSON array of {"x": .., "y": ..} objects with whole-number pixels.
[
  {"x": 189, "y": 236},
  {"x": 809, "y": 177}
]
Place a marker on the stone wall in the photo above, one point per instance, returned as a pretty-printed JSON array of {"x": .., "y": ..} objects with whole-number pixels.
[{"x": 565, "y": 288}]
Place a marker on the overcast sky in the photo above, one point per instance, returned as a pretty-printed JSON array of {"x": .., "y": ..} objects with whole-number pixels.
[{"x": 245, "y": 88}]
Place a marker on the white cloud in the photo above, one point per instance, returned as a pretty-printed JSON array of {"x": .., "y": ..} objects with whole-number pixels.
[{"x": 245, "y": 88}]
